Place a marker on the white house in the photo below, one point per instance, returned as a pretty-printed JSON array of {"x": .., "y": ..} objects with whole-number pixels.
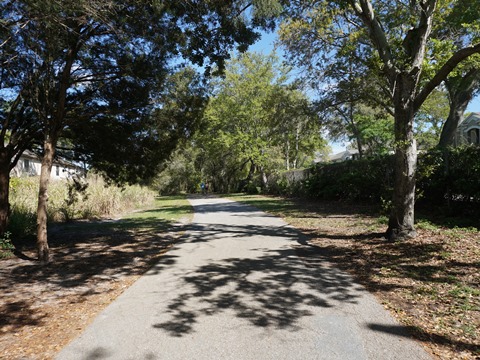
[
  {"x": 30, "y": 165},
  {"x": 468, "y": 131}
]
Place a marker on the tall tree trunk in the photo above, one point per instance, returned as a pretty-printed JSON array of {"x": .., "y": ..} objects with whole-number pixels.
[
  {"x": 54, "y": 126},
  {"x": 287, "y": 154},
  {"x": 401, "y": 222},
  {"x": 460, "y": 90},
  {"x": 46, "y": 169},
  {"x": 264, "y": 178},
  {"x": 4, "y": 191},
  {"x": 297, "y": 147},
  {"x": 455, "y": 117}
]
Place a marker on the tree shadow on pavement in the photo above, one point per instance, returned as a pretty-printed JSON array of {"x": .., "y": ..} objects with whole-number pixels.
[
  {"x": 272, "y": 289},
  {"x": 407, "y": 331}
]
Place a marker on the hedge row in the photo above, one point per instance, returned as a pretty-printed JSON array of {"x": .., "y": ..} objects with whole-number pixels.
[{"x": 442, "y": 177}]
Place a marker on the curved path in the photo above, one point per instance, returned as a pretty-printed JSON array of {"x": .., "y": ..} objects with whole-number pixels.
[{"x": 241, "y": 285}]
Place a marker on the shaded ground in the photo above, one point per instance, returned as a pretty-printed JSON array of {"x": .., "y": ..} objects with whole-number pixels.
[
  {"x": 430, "y": 283},
  {"x": 235, "y": 288},
  {"x": 43, "y": 308}
]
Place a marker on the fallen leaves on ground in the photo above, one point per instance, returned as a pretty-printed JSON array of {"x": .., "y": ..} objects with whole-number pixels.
[
  {"x": 45, "y": 307},
  {"x": 431, "y": 283}
]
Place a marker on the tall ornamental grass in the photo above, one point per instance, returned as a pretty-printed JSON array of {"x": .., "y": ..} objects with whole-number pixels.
[{"x": 72, "y": 199}]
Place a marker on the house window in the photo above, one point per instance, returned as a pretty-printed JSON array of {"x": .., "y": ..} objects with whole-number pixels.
[
  {"x": 26, "y": 165},
  {"x": 57, "y": 170},
  {"x": 473, "y": 136}
]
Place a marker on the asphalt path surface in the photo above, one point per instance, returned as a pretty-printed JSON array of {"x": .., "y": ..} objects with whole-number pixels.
[{"x": 242, "y": 284}]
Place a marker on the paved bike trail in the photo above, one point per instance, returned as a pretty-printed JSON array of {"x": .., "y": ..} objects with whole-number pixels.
[{"x": 240, "y": 286}]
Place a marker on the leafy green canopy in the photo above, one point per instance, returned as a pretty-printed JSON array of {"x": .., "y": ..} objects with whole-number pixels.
[
  {"x": 105, "y": 66},
  {"x": 255, "y": 122},
  {"x": 349, "y": 61}
]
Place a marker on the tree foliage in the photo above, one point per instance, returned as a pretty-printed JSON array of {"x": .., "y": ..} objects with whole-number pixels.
[
  {"x": 398, "y": 43},
  {"x": 256, "y": 123},
  {"x": 63, "y": 61},
  {"x": 431, "y": 118}
]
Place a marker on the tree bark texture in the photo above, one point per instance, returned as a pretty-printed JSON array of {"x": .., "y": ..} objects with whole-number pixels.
[
  {"x": 4, "y": 191},
  {"x": 46, "y": 169},
  {"x": 54, "y": 126},
  {"x": 401, "y": 222}
]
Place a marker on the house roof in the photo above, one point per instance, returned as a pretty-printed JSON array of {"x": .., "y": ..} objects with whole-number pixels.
[
  {"x": 342, "y": 155},
  {"x": 472, "y": 119},
  {"x": 28, "y": 154}
]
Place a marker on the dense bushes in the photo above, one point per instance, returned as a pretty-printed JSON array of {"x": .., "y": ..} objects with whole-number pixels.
[
  {"x": 290, "y": 183},
  {"x": 362, "y": 180},
  {"x": 452, "y": 176},
  {"x": 448, "y": 177}
]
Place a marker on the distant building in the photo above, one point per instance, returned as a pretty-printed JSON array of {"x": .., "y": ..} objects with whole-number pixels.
[
  {"x": 468, "y": 131},
  {"x": 344, "y": 155},
  {"x": 30, "y": 164}
]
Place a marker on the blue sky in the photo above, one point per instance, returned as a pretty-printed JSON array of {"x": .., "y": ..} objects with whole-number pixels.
[{"x": 266, "y": 44}]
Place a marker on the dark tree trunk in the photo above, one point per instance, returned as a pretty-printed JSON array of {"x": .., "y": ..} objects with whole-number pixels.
[
  {"x": 46, "y": 169},
  {"x": 251, "y": 172},
  {"x": 460, "y": 91},
  {"x": 4, "y": 191},
  {"x": 455, "y": 117},
  {"x": 401, "y": 223}
]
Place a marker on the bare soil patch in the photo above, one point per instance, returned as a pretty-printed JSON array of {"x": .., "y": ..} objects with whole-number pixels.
[{"x": 44, "y": 307}]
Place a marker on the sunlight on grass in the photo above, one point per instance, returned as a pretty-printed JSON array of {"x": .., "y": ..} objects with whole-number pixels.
[
  {"x": 165, "y": 212},
  {"x": 274, "y": 205},
  {"x": 169, "y": 208},
  {"x": 162, "y": 215}
]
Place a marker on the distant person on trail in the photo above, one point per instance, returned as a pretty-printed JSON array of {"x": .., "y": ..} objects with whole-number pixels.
[{"x": 202, "y": 186}]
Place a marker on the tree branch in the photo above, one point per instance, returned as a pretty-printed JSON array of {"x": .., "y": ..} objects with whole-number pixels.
[
  {"x": 444, "y": 71},
  {"x": 364, "y": 10}
]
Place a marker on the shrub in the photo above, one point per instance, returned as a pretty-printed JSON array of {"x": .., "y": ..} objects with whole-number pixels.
[
  {"x": 449, "y": 177},
  {"x": 6, "y": 246},
  {"x": 290, "y": 183},
  {"x": 368, "y": 180},
  {"x": 251, "y": 188}
]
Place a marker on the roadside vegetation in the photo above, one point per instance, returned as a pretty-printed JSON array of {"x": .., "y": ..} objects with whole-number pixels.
[
  {"x": 94, "y": 262},
  {"x": 88, "y": 81},
  {"x": 83, "y": 198},
  {"x": 430, "y": 283}
]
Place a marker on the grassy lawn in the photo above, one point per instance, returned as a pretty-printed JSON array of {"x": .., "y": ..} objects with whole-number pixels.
[
  {"x": 168, "y": 208},
  {"x": 431, "y": 283}
]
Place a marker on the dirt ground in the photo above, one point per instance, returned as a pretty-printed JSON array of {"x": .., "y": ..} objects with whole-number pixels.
[
  {"x": 430, "y": 283},
  {"x": 44, "y": 307}
]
